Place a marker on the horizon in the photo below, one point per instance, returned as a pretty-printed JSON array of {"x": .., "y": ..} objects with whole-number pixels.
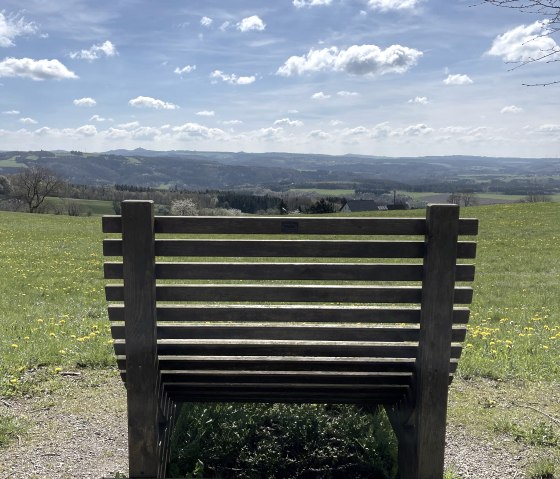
[{"x": 391, "y": 78}]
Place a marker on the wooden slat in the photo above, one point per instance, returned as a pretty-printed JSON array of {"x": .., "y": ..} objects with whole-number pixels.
[
  {"x": 290, "y": 271},
  {"x": 289, "y": 225},
  {"x": 288, "y": 313},
  {"x": 294, "y": 294},
  {"x": 226, "y": 347},
  {"x": 290, "y": 248},
  {"x": 284, "y": 363},
  {"x": 295, "y": 333},
  {"x": 186, "y": 378}
]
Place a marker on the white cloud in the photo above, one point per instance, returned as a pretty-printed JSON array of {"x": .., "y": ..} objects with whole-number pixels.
[
  {"x": 549, "y": 128},
  {"x": 232, "y": 122},
  {"x": 95, "y": 52},
  {"x": 415, "y": 130},
  {"x": 28, "y": 121},
  {"x": 335, "y": 122},
  {"x": 224, "y": 26},
  {"x": 293, "y": 112},
  {"x": 525, "y": 43},
  {"x": 205, "y": 113},
  {"x": 288, "y": 122},
  {"x": 99, "y": 119},
  {"x": 13, "y": 26},
  {"x": 347, "y": 93},
  {"x": 196, "y": 131},
  {"x": 251, "y": 23},
  {"x": 511, "y": 109},
  {"x": 82, "y": 131},
  {"x": 85, "y": 102},
  {"x": 35, "y": 69},
  {"x": 232, "y": 79},
  {"x": 356, "y": 60},
  {"x": 206, "y": 21},
  {"x": 310, "y": 3},
  {"x": 129, "y": 126},
  {"x": 320, "y": 96},
  {"x": 421, "y": 100},
  {"x": 11, "y": 112},
  {"x": 457, "y": 79},
  {"x": 386, "y": 5},
  {"x": 319, "y": 135},
  {"x": 185, "y": 69},
  {"x": 269, "y": 134},
  {"x": 149, "y": 102}
]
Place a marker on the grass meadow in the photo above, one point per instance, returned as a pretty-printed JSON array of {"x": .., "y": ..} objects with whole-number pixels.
[{"x": 53, "y": 313}]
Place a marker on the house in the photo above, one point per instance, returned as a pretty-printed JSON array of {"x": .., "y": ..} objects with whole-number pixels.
[{"x": 353, "y": 206}]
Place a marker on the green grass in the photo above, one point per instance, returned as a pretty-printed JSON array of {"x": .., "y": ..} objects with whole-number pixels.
[
  {"x": 323, "y": 191},
  {"x": 52, "y": 306},
  {"x": 92, "y": 207},
  {"x": 54, "y": 312},
  {"x": 11, "y": 163}
]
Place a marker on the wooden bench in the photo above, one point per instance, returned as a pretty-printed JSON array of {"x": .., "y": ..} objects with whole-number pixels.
[{"x": 289, "y": 309}]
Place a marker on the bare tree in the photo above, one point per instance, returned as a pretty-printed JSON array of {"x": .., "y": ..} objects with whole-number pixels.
[
  {"x": 5, "y": 185},
  {"x": 34, "y": 184},
  {"x": 549, "y": 10}
]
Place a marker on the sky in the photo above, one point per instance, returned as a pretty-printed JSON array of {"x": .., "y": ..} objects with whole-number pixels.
[{"x": 372, "y": 77}]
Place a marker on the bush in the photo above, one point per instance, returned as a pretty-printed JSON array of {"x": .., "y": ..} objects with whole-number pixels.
[{"x": 278, "y": 440}]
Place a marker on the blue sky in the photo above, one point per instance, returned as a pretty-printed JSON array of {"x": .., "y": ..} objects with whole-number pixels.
[{"x": 378, "y": 77}]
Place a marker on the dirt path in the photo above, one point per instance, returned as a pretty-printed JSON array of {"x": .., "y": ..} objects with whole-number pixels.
[{"x": 79, "y": 431}]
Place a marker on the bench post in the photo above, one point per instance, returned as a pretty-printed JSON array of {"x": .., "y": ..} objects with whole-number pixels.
[{"x": 140, "y": 335}]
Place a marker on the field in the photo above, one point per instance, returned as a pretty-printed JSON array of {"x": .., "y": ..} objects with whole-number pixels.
[{"x": 54, "y": 316}]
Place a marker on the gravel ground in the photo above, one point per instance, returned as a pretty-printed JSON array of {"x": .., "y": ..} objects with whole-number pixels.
[{"x": 79, "y": 431}]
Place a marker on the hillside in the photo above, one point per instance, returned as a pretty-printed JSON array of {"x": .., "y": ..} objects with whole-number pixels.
[{"x": 278, "y": 171}]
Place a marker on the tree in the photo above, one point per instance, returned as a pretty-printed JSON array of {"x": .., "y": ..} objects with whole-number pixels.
[
  {"x": 549, "y": 10},
  {"x": 5, "y": 185},
  {"x": 34, "y": 184},
  {"x": 183, "y": 207}
]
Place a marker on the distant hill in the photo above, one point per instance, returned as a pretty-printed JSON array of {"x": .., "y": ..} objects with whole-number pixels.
[{"x": 231, "y": 170}]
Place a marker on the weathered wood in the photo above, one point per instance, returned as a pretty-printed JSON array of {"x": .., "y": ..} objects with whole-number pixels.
[
  {"x": 290, "y": 271},
  {"x": 289, "y": 225},
  {"x": 293, "y": 332},
  {"x": 226, "y": 347},
  {"x": 141, "y": 365},
  {"x": 300, "y": 342},
  {"x": 288, "y": 313},
  {"x": 432, "y": 374},
  {"x": 289, "y": 248},
  {"x": 291, "y": 294}
]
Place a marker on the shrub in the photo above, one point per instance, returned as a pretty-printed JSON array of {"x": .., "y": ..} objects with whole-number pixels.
[{"x": 278, "y": 440}]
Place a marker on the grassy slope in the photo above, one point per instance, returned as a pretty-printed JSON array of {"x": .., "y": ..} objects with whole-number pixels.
[{"x": 54, "y": 312}]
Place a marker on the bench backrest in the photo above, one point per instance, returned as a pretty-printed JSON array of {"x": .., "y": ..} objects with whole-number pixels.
[{"x": 277, "y": 308}]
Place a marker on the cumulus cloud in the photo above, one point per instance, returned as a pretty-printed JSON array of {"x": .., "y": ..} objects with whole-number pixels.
[
  {"x": 421, "y": 100},
  {"x": 386, "y": 5},
  {"x": 129, "y": 126},
  {"x": 347, "y": 93},
  {"x": 96, "y": 51},
  {"x": 457, "y": 79},
  {"x": 85, "y": 102},
  {"x": 149, "y": 102},
  {"x": 82, "y": 131},
  {"x": 310, "y": 3},
  {"x": 13, "y": 26},
  {"x": 37, "y": 70},
  {"x": 98, "y": 118},
  {"x": 319, "y": 135},
  {"x": 549, "y": 128},
  {"x": 415, "y": 130},
  {"x": 232, "y": 79},
  {"x": 320, "y": 96},
  {"x": 196, "y": 131},
  {"x": 205, "y": 113},
  {"x": 356, "y": 60},
  {"x": 525, "y": 43},
  {"x": 206, "y": 21},
  {"x": 185, "y": 69},
  {"x": 10, "y": 112},
  {"x": 28, "y": 121},
  {"x": 232, "y": 122},
  {"x": 251, "y": 23},
  {"x": 288, "y": 122},
  {"x": 511, "y": 109}
]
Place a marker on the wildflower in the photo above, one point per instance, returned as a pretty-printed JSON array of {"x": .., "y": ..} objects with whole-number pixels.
[
  {"x": 52, "y": 335},
  {"x": 14, "y": 345},
  {"x": 40, "y": 320},
  {"x": 62, "y": 351},
  {"x": 57, "y": 370},
  {"x": 26, "y": 338},
  {"x": 13, "y": 381}
]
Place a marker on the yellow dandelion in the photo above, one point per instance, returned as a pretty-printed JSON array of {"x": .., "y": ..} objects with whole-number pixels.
[
  {"x": 52, "y": 335},
  {"x": 40, "y": 320},
  {"x": 14, "y": 345},
  {"x": 13, "y": 381},
  {"x": 57, "y": 370},
  {"x": 26, "y": 338}
]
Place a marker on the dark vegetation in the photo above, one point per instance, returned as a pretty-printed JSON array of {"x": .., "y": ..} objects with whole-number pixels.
[{"x": 278, "y": 440}]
